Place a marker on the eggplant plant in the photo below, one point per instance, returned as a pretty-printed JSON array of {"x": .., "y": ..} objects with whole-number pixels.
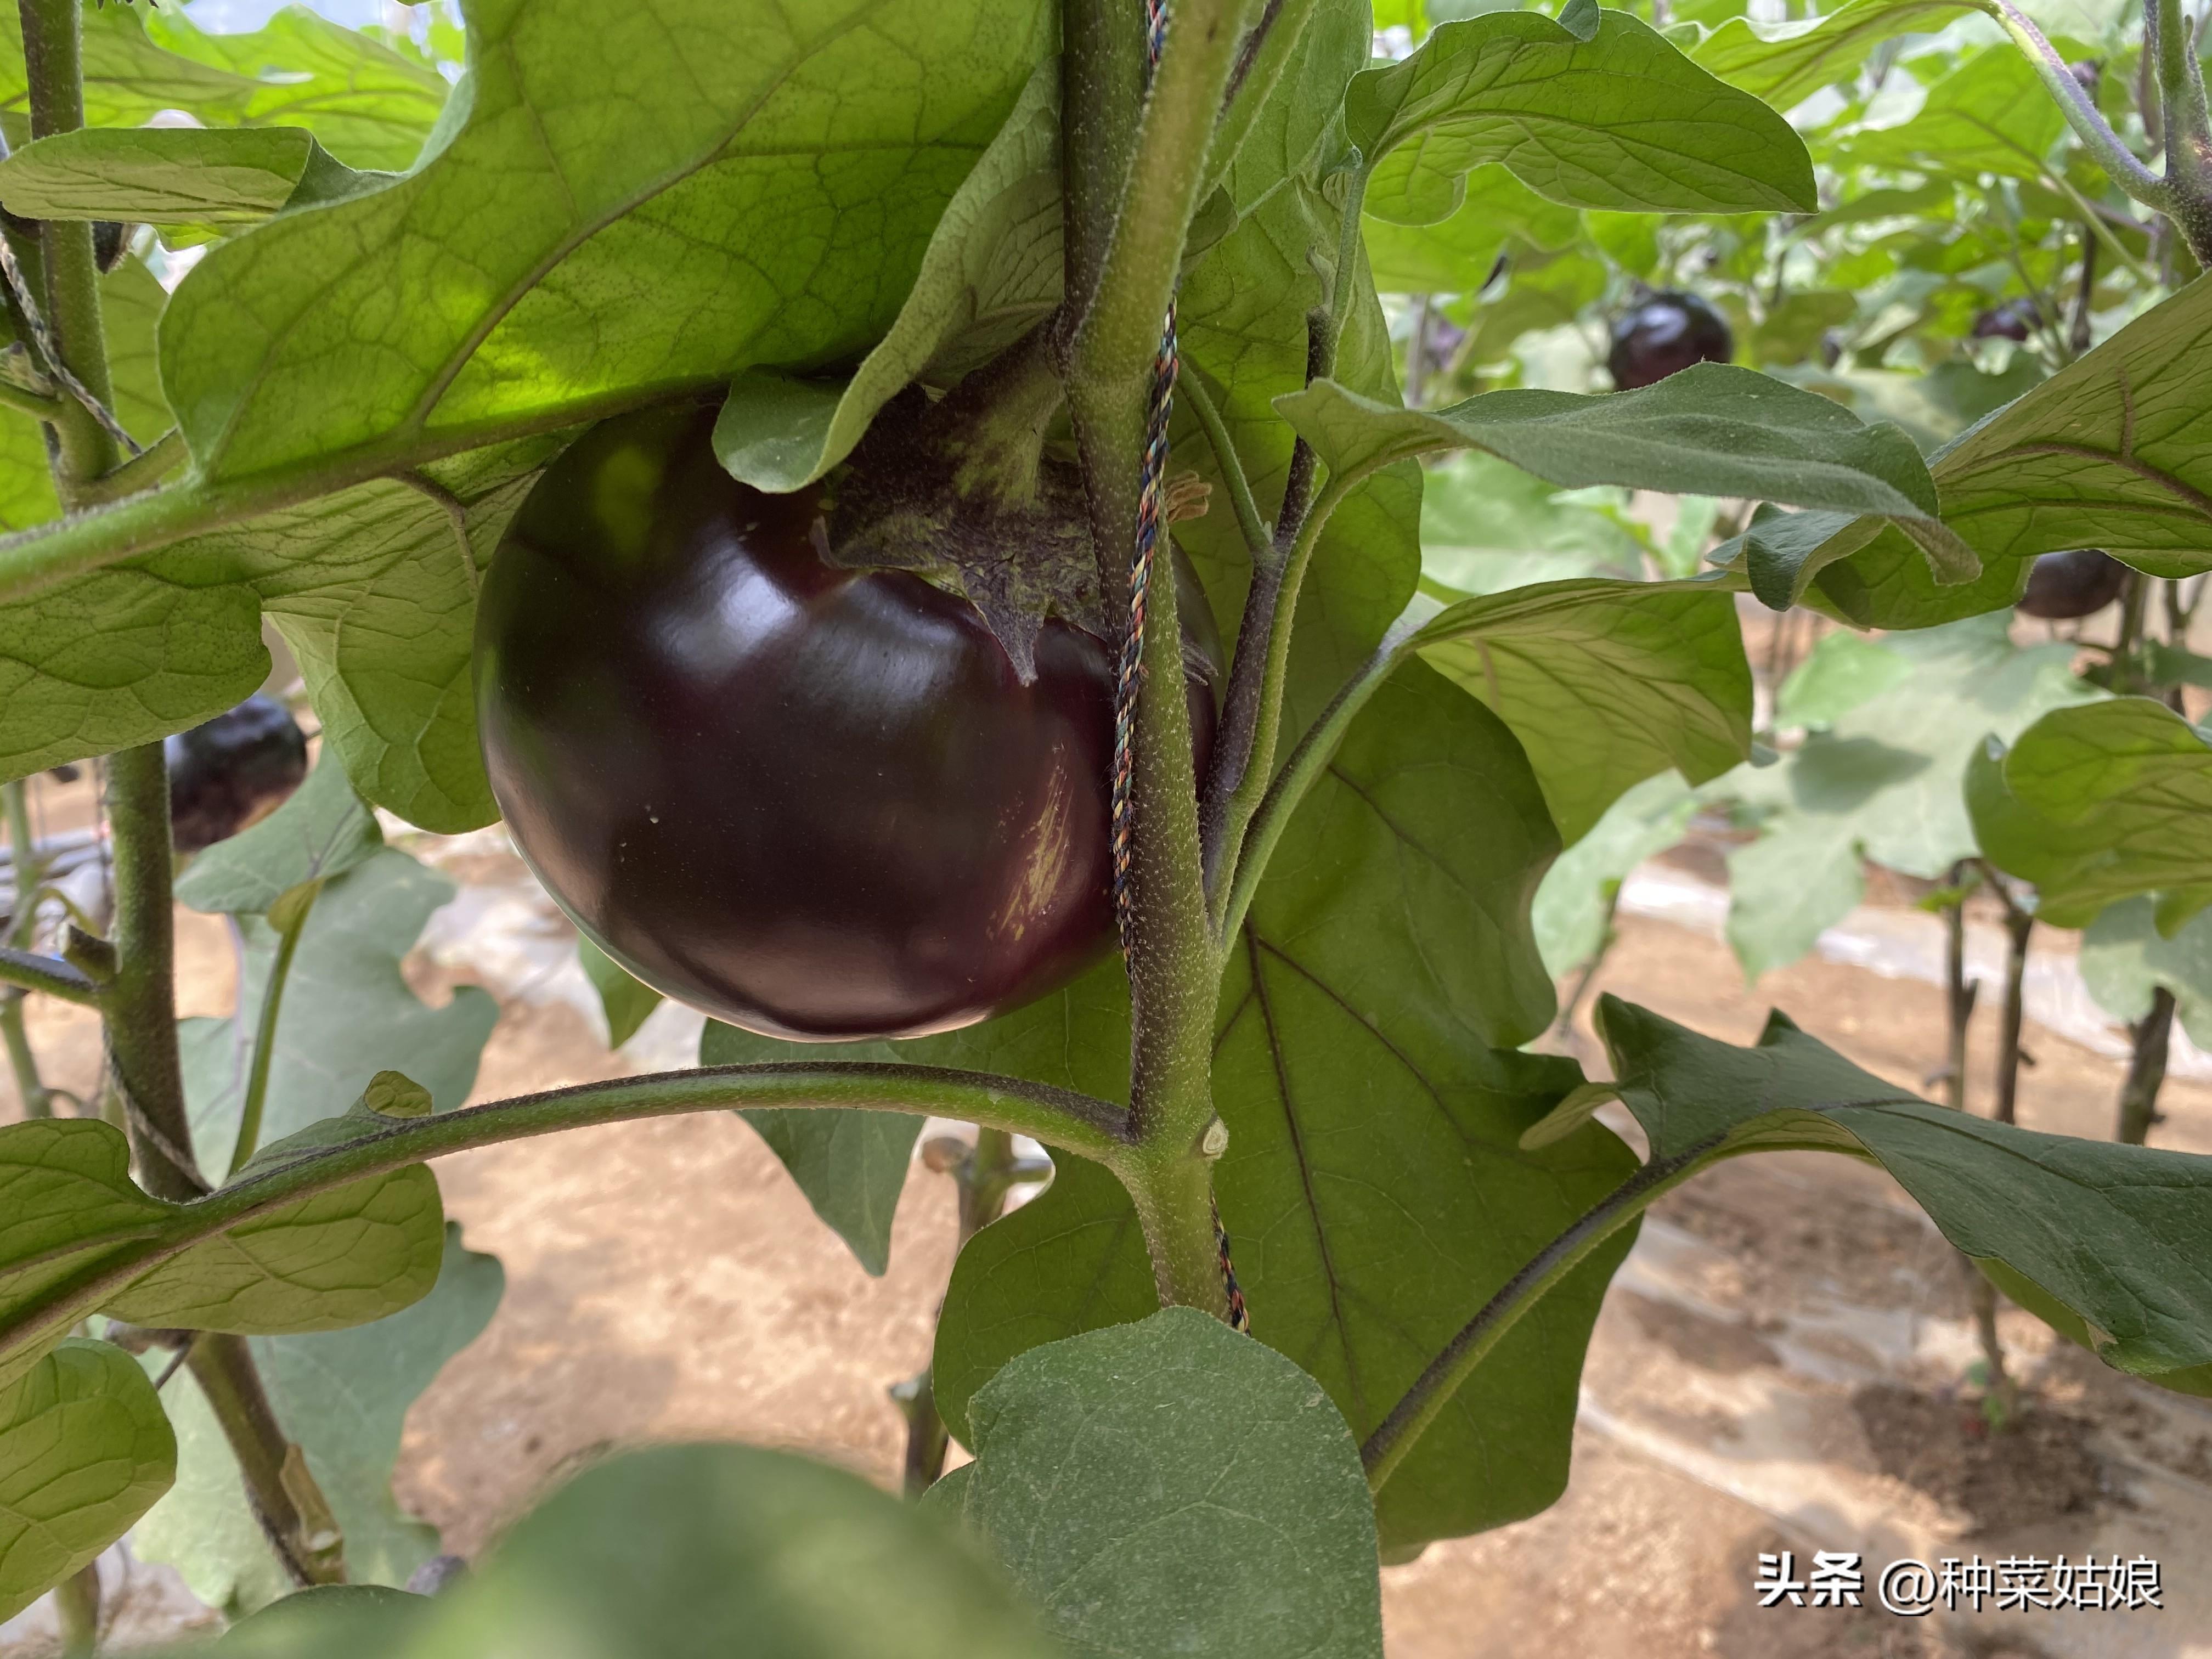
[{"x": 812, "y": 368}]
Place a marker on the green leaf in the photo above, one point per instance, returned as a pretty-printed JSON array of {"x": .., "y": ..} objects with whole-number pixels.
[
  {"x": 853, "y": 1170},
  {"x": 1071, "y": 1259},
  {"x": 2101, "y": 803},
  {"x": 2119, "y": 1236},
  {"x": 157, "y": 175},
  {"x": 1842, "y": 671},
  {"x": 1713, "y": 429},
  {"x": 1785, "y": 63},
  {"x": 1617, "y": 120},
  {"x": 1455, "y": 254},
  {"x": 367, "y": 105},
  {"x": 1572, "y": 906},
  {"x": 851, "y": 1165},
  {"x": 348, "y": 1013},
  {"x": 343, "y": 1396},
  {"x": 1372, "y": 1158},
  {"x": 1488, "y": 528},
  {"x": 84, "y": 1450},
  {"x": 601, "y": 156},
  {"x": 1224, "y": 1510},
  {"x": 1991, "y": 115},
  {"x": 667, "y": 1553},
  {"x": 1604, "y": 682},
  {"x": 1884, "y": 782},
  {"x": 2114, "y": 451},
  {"x": 321, "y": 832},
  {"x": 128, "y": 78},
  {"x": 2124, "y": 959},
  {"x": 1372, "y": 1188},
  {"x": 76, "y": 1238},
  {"x": 373, "y": 588},
  {"x": 625, "y": 1001},
  {"x": 991, "y": 273}
]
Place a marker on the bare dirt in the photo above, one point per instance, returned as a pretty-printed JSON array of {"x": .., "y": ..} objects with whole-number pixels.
[{"x": 1781, "y": 1366}]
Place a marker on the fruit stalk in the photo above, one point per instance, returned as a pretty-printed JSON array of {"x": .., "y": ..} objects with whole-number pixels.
[
  {"x": 1174, "y": 973},
  {"x": 52, "y": 44}
]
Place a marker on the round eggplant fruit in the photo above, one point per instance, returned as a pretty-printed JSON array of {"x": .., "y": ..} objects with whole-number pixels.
[
  {"x": 234, "y": 769},
  {"x": 2074, "y": 584},
  {"x": 814, "y": 801},
  {"x": 1664, "y": 334}
]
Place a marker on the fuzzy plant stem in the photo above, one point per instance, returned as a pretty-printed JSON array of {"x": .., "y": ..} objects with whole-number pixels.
[
  {"x": 1128, "y": 226},
  {"x": 52, "y": 46}
]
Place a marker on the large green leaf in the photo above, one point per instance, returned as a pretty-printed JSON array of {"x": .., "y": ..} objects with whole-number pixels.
[
  {"x": 992, "y": 271},
  {"x": 321, "y": 832},
  {"x": 344, "y": 1397},
  {"x": 1604, "y": 682},
  {"x": 84, "y": 1450},
  {"x": 158, "y": 175},
  {"x": 676, "y": 1553},
  {"x": 1713, "y": 429},
  {"x": 2114, "y": 451},
  {"x": 2120, "y": 1236},
  {"x": 1573, "y": 905},
  {"x": 128, "y": 78},
  {"x": 373, "y": 589},
  {"x": 1372, "y": 1177},
  {"x": 76, "y": 1237},
  {"x": 1455, "y": 254},
  {"x": 1885, "y": 781},
  {"x": 2101, "y": 803},
  {"x": 1488, "y": 528},
  {"x": 1610, "y": 117},
  {"x": 367, "y": 105},
  {"x": 1991, "y": 115},
  {"x": 1372, "y": 1187},
  {"x": 348, "y": 1011},
  {"x": 2124, "y": 960},
  {"x": 851, "y": 1165},
  {"x": 601, "y": 156},
  {"x": 1785, "y": 63},
  {"x": 1224, "y": 1510}
]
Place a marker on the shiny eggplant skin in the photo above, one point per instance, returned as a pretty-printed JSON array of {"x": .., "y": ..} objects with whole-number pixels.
[
  {"x": 814, "y": 802},
  {"x": 1664, "y": 335},
  {"x": 2079, "y": 583},
  {"x": 232, "y": 769}
]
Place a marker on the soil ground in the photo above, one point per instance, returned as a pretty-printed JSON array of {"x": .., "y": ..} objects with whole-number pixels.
[{"x": 1781, "y": 1365}]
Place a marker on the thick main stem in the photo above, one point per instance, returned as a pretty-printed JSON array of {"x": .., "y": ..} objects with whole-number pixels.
[
  {"x": 1173, "y": 971},
  {"x": 2152, "y": 1036},
  {"x": 141, "y": 1006},
  {"x": 52, "y": 44}
]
